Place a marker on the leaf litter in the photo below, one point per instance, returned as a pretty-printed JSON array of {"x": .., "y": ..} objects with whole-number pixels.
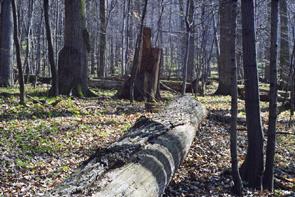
[{"x": 41, "y": 145}]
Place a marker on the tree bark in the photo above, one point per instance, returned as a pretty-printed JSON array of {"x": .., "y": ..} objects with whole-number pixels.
[
  {"x": 144, "y": 159},
  {"x": 72, "y": 63},
  {"x": 102, "y": 38},
  {"x": 268, "y": 42},
  {"x": 138, "y": 53},
  {"x": 54, "y": 88},
  {"x": 226, "y": 40},
  {"x": 252, "y": 168},
  {"x": 271, "y": 134},
  {"x": 189, "y": 26},
  {"x": 18, "y": 58},
  {"x": 191, "y": 53},
  {"x": 284, "y": 45},
  {"x": 234, "y": 109},
  {"x": 6, "y": 44}
]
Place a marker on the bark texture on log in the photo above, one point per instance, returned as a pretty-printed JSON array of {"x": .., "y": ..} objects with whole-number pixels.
[{"x": 144, "y": 160}]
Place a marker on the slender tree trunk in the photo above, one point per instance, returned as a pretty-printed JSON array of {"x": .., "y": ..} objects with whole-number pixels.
[
  {"x": 127, "y": 39},
  {"x": 271, "y": 134},
  {"x": 284, "y": 45},
  {"x": 183, "y": 39},
  {"x": 234, "y": 109},
  {"x": 27, "y": 63},
  {"x": 53, "y": 69},
  {"x": 252, "y": 168},
  {"x": 124, "y": 35},
  {"x": 18, "y": 59},
  {"x": 6, "y": 44},
  {"x": 102, "y": 40},
  {"x": 188, "y": 32},
  {"x": 292, "y": 100},
  {"x": 267, "y": 48},
  {"x": 191, "y": 53}
]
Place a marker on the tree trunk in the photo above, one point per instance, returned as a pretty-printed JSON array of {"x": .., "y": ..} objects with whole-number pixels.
[
  {"x": 151, "y": 75},
  {"x": 271, "y": 134},
  {"x": 252, "y": 168},
  {"x": 226, "y": 40},
  {"x": 102, "y": 40},
  {"x": 27, "y": 63},
  {"x": 268, "y": 42},
  {"x": 144, "y": 159},
  {"x": 54, "y": 88},
  {"x": 191, "y": 54},
  {"x": 234, "y": 109},
  {"x": 138, "y": 54},
  {"x": 189, "y": 26},
  {"x": 18, "y": 59},
  {"x": 6, "y": 44},
  {"x": 284, "y": 45},
  {"x": 72, "y": 63}
]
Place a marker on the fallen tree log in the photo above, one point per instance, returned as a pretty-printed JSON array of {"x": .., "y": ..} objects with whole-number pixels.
[
  {"x": 106, "y": 83},
  {"x": 144, "y": 160},
  {"x": 264, "y": 95}
]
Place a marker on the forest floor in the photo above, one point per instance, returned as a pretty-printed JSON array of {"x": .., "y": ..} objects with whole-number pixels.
[{"x": 43, "y": 142}]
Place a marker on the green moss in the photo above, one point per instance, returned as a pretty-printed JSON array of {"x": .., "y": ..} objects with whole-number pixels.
[
  {"x": 21, "y": 163},
  {"x": 82, "y": 8}
]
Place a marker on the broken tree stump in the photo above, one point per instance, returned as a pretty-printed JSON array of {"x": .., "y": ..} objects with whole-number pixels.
[
  {"x": 147, "y": 78},
  {"x": 144, "y": 160}
]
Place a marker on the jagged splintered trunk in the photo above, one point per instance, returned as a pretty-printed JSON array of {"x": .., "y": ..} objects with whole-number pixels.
[
  {"x": 144, "y": 160},
  {"x": 146, "y": 78},
  {"x": 5, "y": 43},
  {"x": 72, "y": 63}
]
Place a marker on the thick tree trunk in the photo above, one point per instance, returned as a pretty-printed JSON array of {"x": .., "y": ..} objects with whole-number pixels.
[
  {"x": 151, "y": 75},
  {"x": 144, "y": 160},
  {"x": 6, "y": 44},
  {"x": 72, "y": 63},
  {"x": 271, "y": 134},
  {"x": 226, "y": 40},
  {"x": 252, "y": 168}
]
